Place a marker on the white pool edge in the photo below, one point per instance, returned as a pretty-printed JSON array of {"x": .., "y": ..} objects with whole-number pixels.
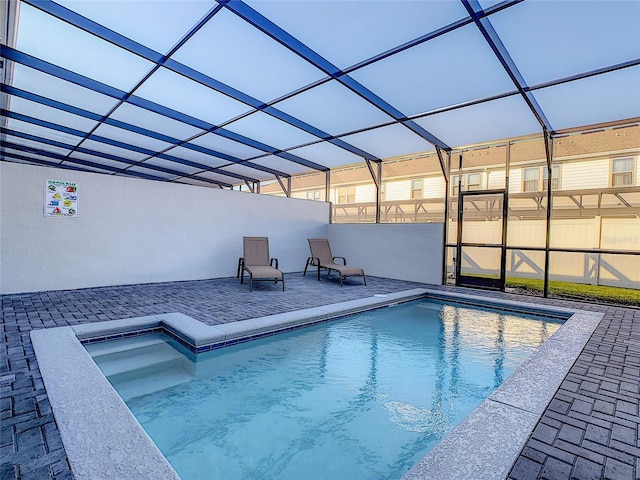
[
  {"x": 103, "y": 440},
  {"x": 485, "y": 445}
]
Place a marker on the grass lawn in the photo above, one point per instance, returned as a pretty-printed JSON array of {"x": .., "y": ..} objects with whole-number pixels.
[{"x": 592, "y": 293}]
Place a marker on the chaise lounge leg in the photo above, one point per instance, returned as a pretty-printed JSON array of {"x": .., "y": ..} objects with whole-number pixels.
[
  {"x": 364, "y": 279},
  {"x": 304, "y": 274}
]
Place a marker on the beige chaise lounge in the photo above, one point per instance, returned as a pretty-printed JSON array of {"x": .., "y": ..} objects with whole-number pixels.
[
  {"x": 256, "y": 261},
  {"x": 321, "y": 257}
]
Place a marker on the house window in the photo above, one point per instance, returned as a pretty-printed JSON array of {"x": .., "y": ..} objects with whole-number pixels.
[
  {"x": 347, "y": 194},
  {"x": 621, "y": 172},
  {"x": 416, "y": 188},
  {"x": 470, "y": 181},
  {"x": 534, "y": 179},
  {"x": 531, "y": 179},
  {"x": 555, "y": 178},
  {"x": 313, "y": 195},
  {"x": 455, "y": 186},
  {"x": 474, "y": 181}
]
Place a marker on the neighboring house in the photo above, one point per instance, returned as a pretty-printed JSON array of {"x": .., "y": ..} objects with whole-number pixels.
[
  {"x": 595, "y": 183},
  {"x": 588, "y": 163}
]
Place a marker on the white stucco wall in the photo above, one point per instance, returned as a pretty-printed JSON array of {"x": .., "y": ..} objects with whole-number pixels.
[
  {"x": 402, "y": 251},
  {"x": 138, "y": 231}
]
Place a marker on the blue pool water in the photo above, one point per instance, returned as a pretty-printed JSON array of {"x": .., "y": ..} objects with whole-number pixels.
[{"x": 364, "y": 397}]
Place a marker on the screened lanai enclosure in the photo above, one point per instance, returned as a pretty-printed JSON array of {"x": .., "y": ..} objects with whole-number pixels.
[{"x": 516, "y": 124}]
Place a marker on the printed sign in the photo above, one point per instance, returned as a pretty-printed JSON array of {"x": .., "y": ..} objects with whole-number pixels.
[{"x": 61, "y": 199}]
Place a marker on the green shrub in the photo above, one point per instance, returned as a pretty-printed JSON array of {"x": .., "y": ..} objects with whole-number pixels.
[{"x": 591, "y": 293}]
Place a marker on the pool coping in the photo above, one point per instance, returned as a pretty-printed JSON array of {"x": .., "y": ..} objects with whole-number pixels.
[{"x": 103, "y": 440}]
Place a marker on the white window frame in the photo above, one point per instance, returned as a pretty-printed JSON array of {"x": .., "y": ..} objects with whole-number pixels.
[
  {"x": 313, "y": 195},
  {"x": 346, "y": 192},
  {"x": 555, "y": 178},
  {"x": 467, "y": 185},
  {"x": 630, "y": 174},
  {"x": 539, "y": 184},
  {"x": 473, "y": 186},
  {"x": 418, "y": 192}
]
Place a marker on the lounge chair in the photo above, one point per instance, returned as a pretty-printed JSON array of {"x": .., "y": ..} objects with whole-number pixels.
[
  {"x": 256, "y": 261},
  {"x": 321, "y": 257}
]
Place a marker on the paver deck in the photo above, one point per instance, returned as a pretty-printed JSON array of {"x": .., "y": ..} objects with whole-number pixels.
[{"x": 590, "y": 429}]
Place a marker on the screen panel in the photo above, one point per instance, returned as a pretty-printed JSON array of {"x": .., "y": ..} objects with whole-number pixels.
[
  {"x": 52, "y": 115},
  {"x": 37, "y": 145},
  {"x": 570, "y": 37},
  {"x": 498, "y": 119},
  {"x": 327, "y": 154},
  {"x": 97, "y": 159},
  {"x": 414, "y": 81},
  {"x": 155, "y": 173},
  {"x": 50, "y": 87},
  {"x": 164, "y": 22},
  {"x": 333, "y": 108},
  {"x": 192, "y": 98},
  {"x": 224, "y": 145},
  {"x": 604, "y": 98},
  {"x": 218, "y": 176},
  {"x": 391, "y": 141},
  {"x": 247, "y": 171},
  {"x": 112, "y": 150},
  {"x": 131, "y": 138},
  {"x": 11, "y": 154},
  {"x": 154, "y": 122},
  {"x": 245, "y": 54},
  {"x": 76, "y": 50},
  {"x": 270, "y": 131},
  {"x": 327, "y": 27},
  {"x": 194, "y": 156},
  {"x": 43, "y": 132},
  {"x": 281, "y": 164},
  {"x": 179, "y": 167},
  {"x": 193, "y": 181}
]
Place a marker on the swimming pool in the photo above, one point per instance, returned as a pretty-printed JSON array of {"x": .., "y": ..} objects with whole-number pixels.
[
  {"x": 362, "y": 397},
  {"x": 103, "y": 440}
]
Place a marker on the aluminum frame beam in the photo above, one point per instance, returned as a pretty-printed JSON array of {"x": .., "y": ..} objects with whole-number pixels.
[
  {"x": 115, "y": 38},
  {"x": 96, "y": 153},
  {"x": 98, "y": 138},
  {"x": 483, "y": 24},
  {"x": 59, "y": 157},
  {"x": 278, "y": 34},
  {"x": 96, "y": 86},
  {"x": 149, "y": 133}
]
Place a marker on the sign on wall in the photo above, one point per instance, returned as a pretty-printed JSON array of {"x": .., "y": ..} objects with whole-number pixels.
[{"x": 61, "y": 199}]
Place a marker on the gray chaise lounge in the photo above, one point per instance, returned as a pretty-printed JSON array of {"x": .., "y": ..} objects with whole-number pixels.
[
  {"x": 321, "y": 257},
  {"x": 256, "y": 261}
]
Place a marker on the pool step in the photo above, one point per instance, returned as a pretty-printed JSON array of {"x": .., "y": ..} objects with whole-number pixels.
[
  {"x": 143, "y": 382},
  {"x": 102, "y": 350},
  {"x": 141, "y": 365},
  {"x": 137, "y": 359}
]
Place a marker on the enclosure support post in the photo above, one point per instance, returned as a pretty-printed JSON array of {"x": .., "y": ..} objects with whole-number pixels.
[
  {"x": 285, "y": 188},
  {"x": 445, "y": 165},
  {"x": 548, "y": 147},
  {"x": 327, "y": 193},
  {"x": 458, "y": 263},
  {"x": 376, "y": 175}
]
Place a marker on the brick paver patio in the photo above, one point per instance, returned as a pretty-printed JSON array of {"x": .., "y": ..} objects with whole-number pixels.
[{"x": 590, "y": 429}]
